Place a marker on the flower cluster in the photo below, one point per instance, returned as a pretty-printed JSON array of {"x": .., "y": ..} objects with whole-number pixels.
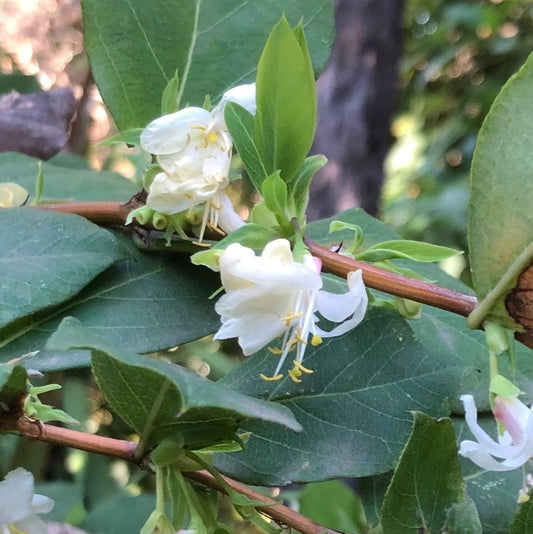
[
  {"x": 193, "y": 149},
  {"x": 272, "y": 295},
  {"x": 19, "y": 505}
]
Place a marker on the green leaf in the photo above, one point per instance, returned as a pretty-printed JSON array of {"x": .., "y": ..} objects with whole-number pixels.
[
  {"x": 250, "y": 235},
  {"x": 12, "y": 385},
  {"x": 169, "y": 100},
  {"x": 299, "y": 186},
  {"x": 204, "y": 412},
  {"x": 146, "y": 303},
  {"x": 284, "y": 124},
  {"x": 494, "y": 493},
  {"x": 135, "y": 47},
  {"x": 240, "y": 123},
  {"x": 409, "y": 250},
  {"x": 119, "y": 514},
  {"x": 427, "y": 484},
  {"x": 364, "y": 384},
  {"x": 274, "y": 192},
  {"x": 66, "y": 183},
  {"x": 47, "y": 258},
  {"x": 334, "y": 505},
  {"x": 523, "y": 520},
  {"x": 130, "y": 137},
  {"x": 501, "y": 189}
]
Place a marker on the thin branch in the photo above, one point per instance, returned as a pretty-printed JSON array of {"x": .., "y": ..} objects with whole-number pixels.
[
  {"x": 395, "y": 284},
  {"x": 125, "y": 450},
  {"x": 96, "y": 212}
]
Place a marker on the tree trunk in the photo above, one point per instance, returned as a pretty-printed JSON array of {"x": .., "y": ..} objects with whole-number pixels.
[{"x": 356, "y": 98}]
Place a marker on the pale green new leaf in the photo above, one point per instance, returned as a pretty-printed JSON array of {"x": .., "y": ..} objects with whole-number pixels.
[{"x": 405, "y": 249}]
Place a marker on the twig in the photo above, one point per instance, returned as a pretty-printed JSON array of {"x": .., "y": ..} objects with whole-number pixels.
[
  {"x": 96, "y": 212},
  {"x": 395, "y": 284},
  {"x": 125, "y": 450}
]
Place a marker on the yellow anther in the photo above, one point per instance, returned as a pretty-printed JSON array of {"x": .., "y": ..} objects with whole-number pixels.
[
  {"x": 303, "y": 369},
  {"x": 198, "y": 244},
  {"x": 14, "y": 530},
  {"x": 288, "y": 318},
  {"x": 271, "y": 378},
  {"x": 295, "y": 375},
  {"x": 316, "y": 340},
  {"x": 215, "y": 229},
  {"x": 275, "y": 350},
  {"x": 198, "y": 127},
  {"x": 300, "y": 339}
]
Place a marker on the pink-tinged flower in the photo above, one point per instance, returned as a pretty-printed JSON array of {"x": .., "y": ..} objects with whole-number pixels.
[
  {"x": 19, "y": 505},
  {"x": 272, "y": 296},
  {"x": 514, "y": 447}
]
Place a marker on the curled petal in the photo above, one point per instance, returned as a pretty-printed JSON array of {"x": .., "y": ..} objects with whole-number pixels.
[
  {"x": 479, "y": 455},
  {"x": 228, "y": 218},
  {"x": 170, "y": 133},
  {"x": 244, "y": 95},
  {"x": 349, "y": 307}
]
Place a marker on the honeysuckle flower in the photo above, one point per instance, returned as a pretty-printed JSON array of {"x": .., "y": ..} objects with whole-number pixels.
[
  {"x": 272, "y": 295},
  {"x": 193, "y": 149},
  {"x": 514, "y": 447},
  {"x": 19, "y": 505}
]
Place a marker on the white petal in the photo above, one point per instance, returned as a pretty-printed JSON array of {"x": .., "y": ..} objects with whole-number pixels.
[
  {"x": 170, "y": 133},
  {"x": 31, "y": 525},
  {"x": 486, "y": 442},
  {"x": 16, "y": 492},
  {"x": 479, "y": 455},
  {"x": 170, "y": 197},
  {"x": 337, "y": 308},
  {"x": 41, "y": 504},
  {"x": 244, "y": 95},
  {"x": 228, "y": 219}
]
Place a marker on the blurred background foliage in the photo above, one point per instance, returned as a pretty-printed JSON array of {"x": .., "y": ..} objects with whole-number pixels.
[{"x": 457, "y": 55}]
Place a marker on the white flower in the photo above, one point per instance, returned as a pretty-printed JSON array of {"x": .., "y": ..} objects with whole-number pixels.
[
  {"x": 514, "y": 446},
  {"x": 193, "y": 148},
  {"x": 19, "y": 506},
  {"x": 272, "y": 295}
]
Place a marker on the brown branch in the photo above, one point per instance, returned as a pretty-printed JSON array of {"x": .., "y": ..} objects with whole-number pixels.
[
  {"x": 125, "y": 450},
  {"x": 395, "y": 284},
  {"x": 96, "y": 212}
]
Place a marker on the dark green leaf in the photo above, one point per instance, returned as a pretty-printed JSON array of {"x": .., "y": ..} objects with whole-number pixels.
[
  {"x": 66, "y": 183},
  {"x": 240, "y": 123},
  {"x": 334, "y": 505},
  {"x": 354, "y": 408},
  {"x": 284, "y": 124},
  {"x": 12, "y": 385},
  {"x": 501, "y": 189},
  {"x": 145, "y": 303},
  {"x": 427, "y": 484},
  {"x": 494, "y": 493},
  {"x": 136, "y": 46},
  {"x": 203, "y": 412},
  {"x": 47, "y": 258}
]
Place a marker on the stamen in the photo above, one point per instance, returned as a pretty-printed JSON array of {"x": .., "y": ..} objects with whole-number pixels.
[
  {"x": 299, "y": 366},
  {"x": 275, "y": 350},
  {"x": 295, "y": 375},
  {"x": 200, "y": 244},
  {"x": 271, "y": 378},
  {"x": 299, "y": 338},
  {"x": 316, "y": 340},
  {"x": 290, "y": 317}
]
